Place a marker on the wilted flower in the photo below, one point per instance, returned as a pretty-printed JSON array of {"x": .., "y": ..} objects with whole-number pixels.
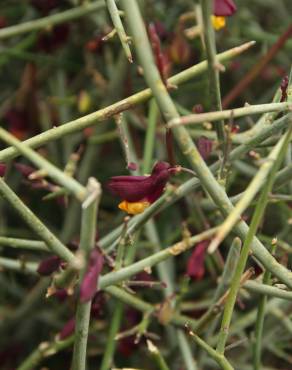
[
  {"x": 195, "y": 265},
  {"x": 179, "y": 50},
  {"x": 68, "y": 329},
  {"x": 222, "y": 9},
  {"x": 89, "y": 283},
  {"x": 284, "y": 87},
  {"x": 18, "y": 123},
  {"x": 2, "y": 169},
  {"x": 205, "y": 147},
  {"x": 161, "y": 58},
  {"x": 138, "y": 192},
  {"x": 49, "y": 265}
]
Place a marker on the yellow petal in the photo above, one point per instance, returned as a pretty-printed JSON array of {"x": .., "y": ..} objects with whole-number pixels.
[
  {"x": 133, "y": 208},
  {"x": 218, "y": 22}
]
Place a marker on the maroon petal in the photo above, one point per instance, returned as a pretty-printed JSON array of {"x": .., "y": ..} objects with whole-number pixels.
[
  {"x": 195, "y": 265},
  {"x": 224, "y": 8},
  {"x": 49, "y": 265},
  {"x": 284, "y": 88},
  {"x": 136, "y": 188},
  {"x": 90, "y": 281},
  {"x": 68, "y": 329},
  {"x": 24, "y": 169}
]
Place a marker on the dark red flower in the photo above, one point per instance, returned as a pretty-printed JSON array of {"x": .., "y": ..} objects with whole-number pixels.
[
  {"x": 89, "y": 283},
  {"x": 136, "y": 188},
  {"x": 18, "y": 122},
  {"x": 68, "y": 329},
  {"x": 138, "y": 192},
  {"x": 224, "y": 8},
  {"x": 205, "y": 147},
  {"x": 2, "y": 169},
  {"x": 284, "y": 87},
  {"x": 49, "y": 265},
  {"x": 195, "y": 265}
]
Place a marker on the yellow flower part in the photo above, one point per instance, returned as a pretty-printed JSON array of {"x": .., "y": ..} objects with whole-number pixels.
[
  {"x": 133, "y": 208},
  {"x": 218, "y": 22}
]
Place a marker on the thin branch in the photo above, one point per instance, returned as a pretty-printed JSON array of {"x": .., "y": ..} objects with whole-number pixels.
[{"x": 51, "y": 20}]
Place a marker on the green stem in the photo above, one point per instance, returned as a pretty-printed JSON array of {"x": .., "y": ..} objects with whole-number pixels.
[
  {"x": 24, "y": 267},
  {"x": 116, "y": 320},
  {"x": 220, "y": 359},
  {"x": 259, "y": 211},
  {"x": 52, "y": 171},
  {"x": 230, "y": 113},
  {"x": 36, "y": 225},
  {"x": 101, "y": 115},
  {"x": 23, "y": 243},
  {"x": 87, "y": 243},
  {"x": 260, "y": 320},
  {"x": 116, "y": 19},
  {"x": 44, "y": 350},
  {"x": 157, "y": 356},
  {"x": 184, "y": 140},
  {"x": 213, "y": 67},
  {"x": 51, "y": 20},
  {"x": 186, "y": 350},
  {"x": 257, "y": 182},
  {"x": 150, "y": 136},
  {"x": 115, "y": 277}
]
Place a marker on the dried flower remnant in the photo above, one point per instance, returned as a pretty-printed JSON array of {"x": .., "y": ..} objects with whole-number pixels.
[
  {"x": 89, "y": 283},
  {"x": 161, "y": 59},
  {"x": 284, "y": 88},
  {"x": 138, "y": 192},
  {"x": 195, "y": 265},
  {"x": 179, "y": 50},
  {"x": 222, "y": 9},
  {"x": 205, "y": 147},
  {"x": 49, "y": 265}
]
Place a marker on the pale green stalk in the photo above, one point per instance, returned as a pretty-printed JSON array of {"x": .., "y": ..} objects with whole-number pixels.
[
  {"x": 101, "y": 115},
  {"x": 259, "y": 211},
  {"x": 87, "y": 243},
  {"x": 249, "y": 194},
  {"x": 23, "y": 243},
  {"x": 52, "y": 171},
  {"x": 25, "y": 267},
  {"x": 157, "y": 356},
  {"x": 231, "y": 113},
  {"x": 185, "y": 142},
  {"x": 36, "y": 225},
  {"x": 260, "y": 320},
  {"x": 116, "y": 19},
  {"x": 51, "y": 20},
  {"x": 150, "y": 136},
  {"x": 213, "y": 66},
  {"x": 220, "y": 359}
]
